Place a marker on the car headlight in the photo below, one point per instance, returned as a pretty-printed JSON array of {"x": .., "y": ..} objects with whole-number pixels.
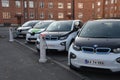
[
  {"x": 63, "y": 37},
  {"x": 76, "y": 47},
  {"x": 117, "y": 50}
]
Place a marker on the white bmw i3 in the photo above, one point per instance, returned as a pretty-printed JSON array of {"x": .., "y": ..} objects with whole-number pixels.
[{"x": 97, "y": 45}]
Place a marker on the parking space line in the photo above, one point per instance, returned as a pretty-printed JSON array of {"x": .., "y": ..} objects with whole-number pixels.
[{"x": 56, "y": 62}]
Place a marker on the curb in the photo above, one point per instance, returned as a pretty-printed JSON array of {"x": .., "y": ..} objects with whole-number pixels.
[{"x": 56, "y": 62}]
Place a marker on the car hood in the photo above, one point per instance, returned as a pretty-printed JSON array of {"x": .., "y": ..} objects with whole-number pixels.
[
  {"x": 23, "y": 28},
  {"x": 99, "y": 42},
  {"x": 55, "y": 33},
  {"x": 33, "y": 30}
]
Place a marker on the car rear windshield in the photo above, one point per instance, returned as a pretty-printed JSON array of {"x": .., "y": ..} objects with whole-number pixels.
[
  {"x": 60, "y": 26},
  {"x": 101, "y": 29}
]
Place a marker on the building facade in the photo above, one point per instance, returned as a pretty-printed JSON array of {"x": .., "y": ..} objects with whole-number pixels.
[{"x": 19, "y": 11}]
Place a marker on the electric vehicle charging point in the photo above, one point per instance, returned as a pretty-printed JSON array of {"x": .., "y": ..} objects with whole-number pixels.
[
  {"x": 11, "y": 34},
  {"x": 43, "y": 58}
]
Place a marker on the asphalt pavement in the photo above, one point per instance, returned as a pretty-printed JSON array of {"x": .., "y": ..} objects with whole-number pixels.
[{"x": 19, "y": 63}]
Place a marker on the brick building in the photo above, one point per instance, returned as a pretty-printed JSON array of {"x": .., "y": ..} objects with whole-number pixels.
[{"x": 19, "y": 11}]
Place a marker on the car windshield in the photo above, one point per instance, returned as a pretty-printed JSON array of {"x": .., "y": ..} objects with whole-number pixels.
[
  {"x": 60, "y": 26},
  {"x": 101, "y": 29},
  {"x": 42, "y": 25},
  {"x": 29, "y": 24}
]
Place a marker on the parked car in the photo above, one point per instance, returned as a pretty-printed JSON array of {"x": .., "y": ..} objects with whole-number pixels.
[
  {"x": 60, "y": 34},
  {"x": 33, "y": 33},
  {"x": 22, "y": 31},
  {"x": 97, "y": 45}
]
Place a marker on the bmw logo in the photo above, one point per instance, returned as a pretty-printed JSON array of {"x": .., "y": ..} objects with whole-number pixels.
[{"x": 95, "y": 46}]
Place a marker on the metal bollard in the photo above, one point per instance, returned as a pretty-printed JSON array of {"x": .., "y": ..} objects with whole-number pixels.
[
  {"x": 11, "y": 34},
  {"x": 43, "y": 58}
]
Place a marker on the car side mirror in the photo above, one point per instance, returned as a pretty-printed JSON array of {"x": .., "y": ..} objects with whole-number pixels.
[{"x": 77, "y": 23}]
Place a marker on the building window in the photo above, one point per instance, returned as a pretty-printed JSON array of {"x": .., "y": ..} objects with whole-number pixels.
[
  {"x": 93, "y": 6},
  {"x": 25, "y": 15},
  {"x": 98, "y": 10},
  {"x": 106, "y": 15},
  {"x": 115, "y": 8},
  {"x": 32, "y": 15},
  {"x": 69, "y": 5},
  {"x": 42, "y": 15},
  {"x": 115, "y": 1},
  {"x": 50, "y": 16},
  {"x": 80, "y": 5},
  {"x": 106, "y": 8},
  {"x": 99, "y": 3},
  {"x": 17, "y": 3},
  {"x": 112, "y": 1},
  {"x": 31, "y": 4},
  {"x": 106, "y": 2},
  {"x": 60, "y": 15},
  {"x": 111, "y": 8},
  {"x": 115, "y": 15},
  {"x": 60, "y": 5},
  {"x": 111, "y": 14},
  {"x": 6, "y": 15},
  {"x": 41, "y": 4},
  {"x": 50, "y": 5},
  {"x": 5, "y": 3},
  {"x": 25, "y": 4},
  {"x": 80, "y": 15}
]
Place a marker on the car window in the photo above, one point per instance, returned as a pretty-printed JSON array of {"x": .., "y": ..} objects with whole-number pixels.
[
  {"x": 101, "y": 29},
  {"x": 29, "y": 24},
  {"x": 42, "y": 25},
  {"x": 60, "y": 26}
]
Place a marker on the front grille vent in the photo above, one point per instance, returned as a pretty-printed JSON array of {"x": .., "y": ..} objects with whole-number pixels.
[{"x": 99, "y": 50}]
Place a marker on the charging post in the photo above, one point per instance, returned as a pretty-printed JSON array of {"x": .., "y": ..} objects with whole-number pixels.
[
  {"x": 43, "y": 58},
  {"x": 11, "y": 34}
]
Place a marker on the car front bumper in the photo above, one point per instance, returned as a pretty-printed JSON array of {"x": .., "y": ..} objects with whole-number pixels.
[
  {"x": 31, "y": 38},
  {"x": 102, "y": 61},
  {"x": 53, "y": 45}
]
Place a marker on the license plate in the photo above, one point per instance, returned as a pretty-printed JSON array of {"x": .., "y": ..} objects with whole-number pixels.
[
  {"x": 94, "y": 62},
  {"x": 33, "y": 40},
  {"x": 50, "y": 45},
  {"x": 20, "y": 35}
]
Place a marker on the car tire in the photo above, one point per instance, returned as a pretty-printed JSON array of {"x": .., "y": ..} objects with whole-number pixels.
[{"x": 38, "y": 51}]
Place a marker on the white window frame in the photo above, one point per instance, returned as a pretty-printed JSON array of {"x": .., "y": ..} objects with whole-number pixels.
[
  {"x": 69, "y": 5},
  {"x": 31, "y": 4},
  {"x": 25, "y": 4},
  {"x": 60, "y": 5},
  {"x": 50, "y": 16},
  {"x": 6, "y": 15},
  {"x": 106, "y": 2},
  {"x": 50, "y": 5},
  {"x": 5, "y": 3},
  {"x": 18, "y": 4},
  {"x": 98, "y": 3},
  {"x": 93, "y": 5},
  {"x": 112, "y": 1},
  {"x": 60, "y": 15},
  {"x": 32, "y": 15},
  {"x": 80, "y": 5},
  {"x": 41, "y": 4},
  {"x": 42, "y": 15},
  {"x": 80, "y": 15}
]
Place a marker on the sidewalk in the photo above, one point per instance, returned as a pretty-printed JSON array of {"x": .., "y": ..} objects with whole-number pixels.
[{"x": 19, "y": 63}]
